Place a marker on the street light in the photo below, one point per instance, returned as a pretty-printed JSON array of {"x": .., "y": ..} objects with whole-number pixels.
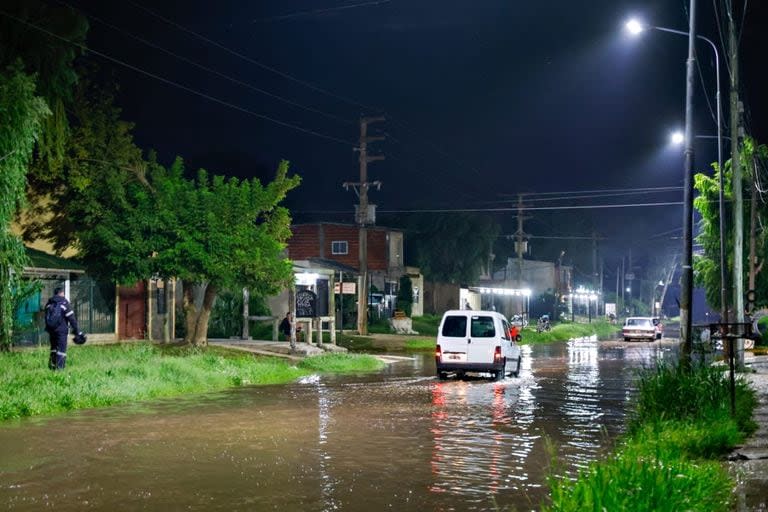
[
  {"x": 677, "y": 138},
  {"x": 686, "y": 298}
]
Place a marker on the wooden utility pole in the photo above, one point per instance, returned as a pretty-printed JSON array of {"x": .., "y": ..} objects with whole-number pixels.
[
  {"x": 737, "y": 180},
  {"x": 521, "y": 246},
  {"x": 364, "y": 218}
]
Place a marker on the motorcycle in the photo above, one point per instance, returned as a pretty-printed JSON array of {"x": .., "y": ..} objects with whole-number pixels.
[{"x": 543, "y": 325}]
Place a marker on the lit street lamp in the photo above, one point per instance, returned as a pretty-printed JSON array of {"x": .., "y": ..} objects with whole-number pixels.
[
  {"x": 635, "y": 27},
  {"x": 686, "y": 298}
]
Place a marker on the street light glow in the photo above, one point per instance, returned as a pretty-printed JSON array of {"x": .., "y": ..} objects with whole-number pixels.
[
  {"x": 634, "y": 26},
  {"x": 677, "y": 138}
]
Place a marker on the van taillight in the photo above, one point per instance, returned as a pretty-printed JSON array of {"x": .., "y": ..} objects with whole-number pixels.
[
  {"x": 438, "y": 353},
  {"x": 497, "y": 354}
]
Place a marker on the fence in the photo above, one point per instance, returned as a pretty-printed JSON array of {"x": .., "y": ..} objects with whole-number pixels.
[{"x": 93, "y": 303}]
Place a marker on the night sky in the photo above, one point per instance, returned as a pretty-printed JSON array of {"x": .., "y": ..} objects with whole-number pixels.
[{"x": 483, "y": 99}]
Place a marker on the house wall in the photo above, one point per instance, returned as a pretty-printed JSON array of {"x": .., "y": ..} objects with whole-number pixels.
[{"x": 315, "y": 241}]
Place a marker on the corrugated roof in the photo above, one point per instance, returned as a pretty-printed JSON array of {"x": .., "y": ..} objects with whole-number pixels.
[{"x": 40, "y": 259}]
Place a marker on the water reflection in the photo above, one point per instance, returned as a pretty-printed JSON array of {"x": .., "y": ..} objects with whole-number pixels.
[{"x": 399, "y": 440}]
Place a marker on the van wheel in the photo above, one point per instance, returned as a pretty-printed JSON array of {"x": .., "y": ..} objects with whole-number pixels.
[
  {"x": 516, "y": 373},
  {"x": 442, "y": 375}
]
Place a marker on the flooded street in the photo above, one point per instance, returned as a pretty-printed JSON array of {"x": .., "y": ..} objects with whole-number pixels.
[{"x": 399, "y": 440}]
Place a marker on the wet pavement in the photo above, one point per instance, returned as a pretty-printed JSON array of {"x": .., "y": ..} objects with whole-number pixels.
[
  {"x": 749, "y": 463},
  {"x": 398, "y": 440}
]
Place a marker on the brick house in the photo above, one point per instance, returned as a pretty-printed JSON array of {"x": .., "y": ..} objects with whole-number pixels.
[{"x": 340, "y": 243}]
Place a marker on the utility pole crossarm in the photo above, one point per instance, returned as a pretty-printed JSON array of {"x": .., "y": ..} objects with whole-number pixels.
[{"x": 364, "y": 216}]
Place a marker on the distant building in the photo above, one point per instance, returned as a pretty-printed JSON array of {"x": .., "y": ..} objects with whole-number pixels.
[{"x": 340, "y": 243}]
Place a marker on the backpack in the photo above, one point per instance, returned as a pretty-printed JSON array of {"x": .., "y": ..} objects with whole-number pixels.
[{"x": 53, "y": 316}]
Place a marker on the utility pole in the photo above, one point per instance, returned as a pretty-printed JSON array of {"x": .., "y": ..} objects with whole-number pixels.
[
  {"x": 520, "y": 240},
  {"x": 754, "y": 268},
  {"x": 364, "y": 217},
  {"x": 737, "y": 181},
  {"x": 686, "y": 279}
]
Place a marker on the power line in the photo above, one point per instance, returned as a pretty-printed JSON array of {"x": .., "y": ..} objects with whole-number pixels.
[
  {"x": 304, "y": 83},
  {"x": 180, "y": 86},
  {"x": 599, "y": 190},
  {"x": 319, "y": 11},
  {"x": 499, "y": 210},
  {"x": 208, "y": 69},
  {"x": 249, "y": 59},
  {"x": 590, "y": 196}
]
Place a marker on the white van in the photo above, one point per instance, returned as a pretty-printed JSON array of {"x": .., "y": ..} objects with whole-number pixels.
[{"x": 476, "y": 341}]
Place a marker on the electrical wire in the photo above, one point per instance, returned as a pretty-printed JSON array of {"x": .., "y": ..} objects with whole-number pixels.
[
  {"x": 592, "y": 196},
  {"x": 319, "y": 11},
  {"x": 201, "y": 37},
  {"x": 168, "y": 81},
  {"x": 208, "y": 69},
  {"x": 600, "y": 190},
  {"x": 535, "y": 208}
]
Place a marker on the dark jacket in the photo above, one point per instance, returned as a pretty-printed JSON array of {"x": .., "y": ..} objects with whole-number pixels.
[{"x": 67, "y": 314}]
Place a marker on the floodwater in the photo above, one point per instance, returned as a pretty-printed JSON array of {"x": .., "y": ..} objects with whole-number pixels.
[{"x": 399, "y": 440}]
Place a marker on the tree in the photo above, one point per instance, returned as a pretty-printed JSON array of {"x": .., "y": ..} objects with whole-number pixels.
[
  {"x": 46, "y": 39},
  {"x": 405, "y": 295},
  {"x": 219, "y": 233},
  {"x": 707, "y": 264},
  {"x": 21, "y": 117},
  {"x": 100, "y": 163},
  {"x": 213, "y": 233},
  {"x": 452, "y": 248}
]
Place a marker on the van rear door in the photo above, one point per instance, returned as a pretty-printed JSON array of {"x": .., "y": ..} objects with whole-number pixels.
[
  {"x": 453, "y": 338},
  {"x": 483, "y": 339}
]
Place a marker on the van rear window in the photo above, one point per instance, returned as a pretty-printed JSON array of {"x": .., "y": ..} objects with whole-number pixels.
[
  {"x": 482, "y": 327},
  {"x": 455, "y": 327}
]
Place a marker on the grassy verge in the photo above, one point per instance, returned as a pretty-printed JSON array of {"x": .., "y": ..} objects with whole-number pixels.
[
  {"x": 669, "y": 459},
  {"x": 100, "y": 376},
  {"x": 567, "y": 331}
]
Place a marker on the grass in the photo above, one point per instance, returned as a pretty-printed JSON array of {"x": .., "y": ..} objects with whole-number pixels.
[
  {"x": 567, "y": 331},
  {"x": 101, "y": 376},
  {"x": 669, "y": 459}
]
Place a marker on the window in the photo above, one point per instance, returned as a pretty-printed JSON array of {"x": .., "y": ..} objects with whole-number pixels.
[
  {"x": 339, "y": 247},
  {"x": 455, "y": 327},
  {"x": 482, "y": 327}
]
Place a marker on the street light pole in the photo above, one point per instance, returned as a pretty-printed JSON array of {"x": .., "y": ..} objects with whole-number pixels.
[
  {"x": 686, "y": 282},
  {"x": 686, "y": 301},
  {"x": 721, "y": 192}
]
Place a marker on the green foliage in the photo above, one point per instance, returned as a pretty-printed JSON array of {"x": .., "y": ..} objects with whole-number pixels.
[
  {"x": 420, "y": 345},
  {"x": 707, "y": 264},
  {"x": 51, "y": 60},
  {"x": 101, "y": 172},
  {"x": 405, "y": 295},
  {"x": 567, "y": 331},
  {"x": 451, "y": 248},
  {"x": 223, "y": 231},
  {"x": 672, "y": 393},
  {"x": 681, "y": 422},
  {"x": 426, "y": 325},
  {"x": 100, "y": 376},
  {"x": 342, "y": 363},
  {"x": 21, "y": 115},
  {"x": 227, "y": 315},
  {"x": 634, "y": 480}
]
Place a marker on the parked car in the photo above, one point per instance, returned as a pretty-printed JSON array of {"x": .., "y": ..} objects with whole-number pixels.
[
  {"x": 639, "y": 327},
  {"x": 476, "y": 341}
]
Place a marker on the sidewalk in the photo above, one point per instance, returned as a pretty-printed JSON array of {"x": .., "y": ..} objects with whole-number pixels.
[{"x": 749, "y": 463}]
